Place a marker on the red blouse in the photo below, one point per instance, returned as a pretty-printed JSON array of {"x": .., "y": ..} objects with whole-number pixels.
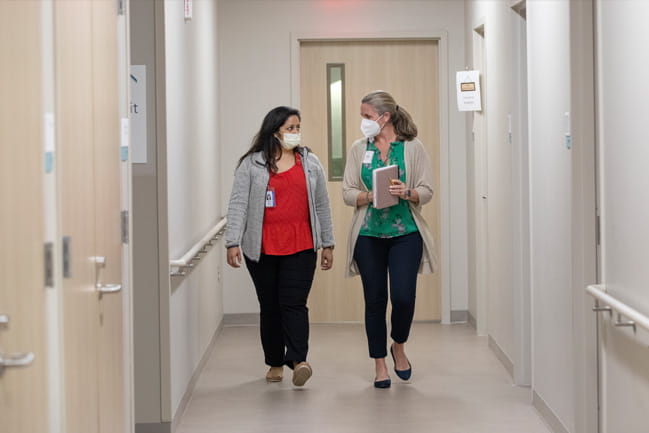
[{"x": 287, "y": 226}]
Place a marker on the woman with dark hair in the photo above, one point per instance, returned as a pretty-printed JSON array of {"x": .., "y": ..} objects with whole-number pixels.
[
  {"x": 393, "y": 242},
  {"x": 278, "y": 217}
]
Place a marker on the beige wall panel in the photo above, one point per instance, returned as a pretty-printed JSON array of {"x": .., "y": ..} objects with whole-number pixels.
[
  {"x": 409, "y": 71},
  {"x": 23, "y": 391}
]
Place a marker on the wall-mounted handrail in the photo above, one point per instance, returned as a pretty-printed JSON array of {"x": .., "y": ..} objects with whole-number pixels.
[
  {"x": 178, "y": 265},
  {"x": 636, "y": 318}
]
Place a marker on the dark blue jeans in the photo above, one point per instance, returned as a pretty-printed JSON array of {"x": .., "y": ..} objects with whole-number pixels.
[
  {"x": 398, "y": 257},
  {"x": 283, "y": 284}
]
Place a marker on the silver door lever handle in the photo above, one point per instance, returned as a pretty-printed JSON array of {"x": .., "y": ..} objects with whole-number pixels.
[
  {"x": 4, "y": 319},
  {"x": 105, "y": 288},
  {"x": 16, "y": 360},
  {"x": 108, "y": 288}
]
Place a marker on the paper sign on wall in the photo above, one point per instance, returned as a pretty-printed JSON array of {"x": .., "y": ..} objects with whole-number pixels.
[
  {"x": 138, "y": 114},
  {"x": 189, "y": 10},
  {"x": 468, "y": 91}
]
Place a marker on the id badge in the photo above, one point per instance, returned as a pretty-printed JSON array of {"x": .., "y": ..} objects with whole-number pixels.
[
  {"x": 367, "y": 159},
  {"x": 270, "y": 197}
]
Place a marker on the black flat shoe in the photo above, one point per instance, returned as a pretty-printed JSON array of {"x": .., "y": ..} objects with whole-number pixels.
[
  {"x": 383, "y": 383},
  {"x": 403, "y": 374}
]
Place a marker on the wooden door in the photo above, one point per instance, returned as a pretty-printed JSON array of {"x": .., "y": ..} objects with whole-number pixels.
[
  {"x": 23, "y": 390},
  {"x": 74, "y": 96},
  {"x": 409, "y": 71},
  {"x": 107, "y": 177},
  {"x": 87, "y": 94}
]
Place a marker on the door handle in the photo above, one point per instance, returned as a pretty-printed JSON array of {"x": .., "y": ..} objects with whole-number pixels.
[
  {"x": 16, "y": 360},
  {"x": 101, "y": 287},
  {"x": 108, "y": 288}
]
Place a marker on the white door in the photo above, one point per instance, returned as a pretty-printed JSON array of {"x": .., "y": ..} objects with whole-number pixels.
[{"x": 623, "y": 152}]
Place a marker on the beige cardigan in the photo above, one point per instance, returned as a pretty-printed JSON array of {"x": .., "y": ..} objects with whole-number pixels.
[{"x": 419, "y": 176}]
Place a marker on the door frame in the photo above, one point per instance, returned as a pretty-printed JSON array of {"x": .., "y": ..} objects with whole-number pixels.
[
  {"x": 480, "y": 187},
  {"x": 519, "y": 140},
  {"x": 441, "y": 37},
  {"x": 53, "y": 293},
  {"x": 583, "y": 128},
  {"x": 126, "y": 185}
]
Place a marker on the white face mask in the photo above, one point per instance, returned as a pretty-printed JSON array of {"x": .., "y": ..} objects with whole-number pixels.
[
  {"x": 291, "y": 141},
  {"x": 371, "y": 128}
]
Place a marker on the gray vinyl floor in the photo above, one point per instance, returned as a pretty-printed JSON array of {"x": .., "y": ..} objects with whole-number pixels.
[{"x": 457, "y": 386}]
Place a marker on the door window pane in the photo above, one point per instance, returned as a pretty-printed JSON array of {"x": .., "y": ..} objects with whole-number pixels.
[{"x": 336, "y": 119}]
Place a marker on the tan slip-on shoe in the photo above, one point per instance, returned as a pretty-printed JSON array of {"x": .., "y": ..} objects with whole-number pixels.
[
  {"x": 275, "y": 374},
  {"x": 301, "y": 373}
]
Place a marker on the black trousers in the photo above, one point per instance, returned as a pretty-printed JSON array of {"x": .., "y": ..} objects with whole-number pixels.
[
  {"x": 283, "y": 284},
  {"x": 400, "y": 257}
]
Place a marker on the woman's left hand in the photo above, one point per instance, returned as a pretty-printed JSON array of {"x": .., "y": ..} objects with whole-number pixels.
[
  {"x": 326, "y": 259},
  {"x": 398, "y": 188}
]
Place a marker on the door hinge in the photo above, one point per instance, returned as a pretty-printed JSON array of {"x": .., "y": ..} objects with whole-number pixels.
[
  {"x": 49, "y": 264},
  {"x": 67, "y": 268},
  {"x": 598, "y": 235},
  {"x": 120, "y": 7},
  {"x": 125, "y": 227}
]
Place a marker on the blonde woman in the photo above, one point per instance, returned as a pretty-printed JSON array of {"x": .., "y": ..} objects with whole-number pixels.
[{"x": 393, "y": 242}]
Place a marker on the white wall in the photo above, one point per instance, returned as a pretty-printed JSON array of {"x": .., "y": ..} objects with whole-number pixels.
[
  {"x": 550, "y": 206},
  {"x": 501, "y": 93},
  {"x": 255, "y": 76},
  {"x": 561, "y": 202},
  {"x": 194, "y": 196},
  {"x": 623, "y": 181}
]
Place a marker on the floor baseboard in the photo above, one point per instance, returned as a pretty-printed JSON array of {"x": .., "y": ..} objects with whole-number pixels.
[
  {"x": 548, "y": 416},
  {"x": 502, "y": 356},
  {"x": 192, "y": 382},
  {"x": 472, "y": 320},
  {"x": 241, "y": 319},
  {"x": 153, "y": 427},
  {"x": 459, "y": 316}
]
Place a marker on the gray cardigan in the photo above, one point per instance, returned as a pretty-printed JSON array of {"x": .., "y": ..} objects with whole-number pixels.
[{"x": 247, "y": 204}]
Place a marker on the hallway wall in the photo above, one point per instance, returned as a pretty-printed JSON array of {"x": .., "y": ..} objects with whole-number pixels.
[
  {"x": 255, "y": 71},
  {"x": 500, "y": 90},
  {"x": 624, "y": 209},
  {"x": 194, "y": 203},
  {"x": 550, "y": 207},
  {"x": 559, "y": 219}
]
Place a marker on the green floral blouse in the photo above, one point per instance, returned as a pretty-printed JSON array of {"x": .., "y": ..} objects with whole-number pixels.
[{"x": 394, "y": 220}]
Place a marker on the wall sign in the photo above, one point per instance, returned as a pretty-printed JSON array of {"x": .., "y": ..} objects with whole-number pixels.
[
  {"x": 138, "y": 114},
  {"x": 189, "y": 10},
  {"x": 468, "y": 91}
]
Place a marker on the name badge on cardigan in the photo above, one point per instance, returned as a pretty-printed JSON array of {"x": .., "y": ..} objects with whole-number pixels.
[{"x": 270, "y": 197}]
